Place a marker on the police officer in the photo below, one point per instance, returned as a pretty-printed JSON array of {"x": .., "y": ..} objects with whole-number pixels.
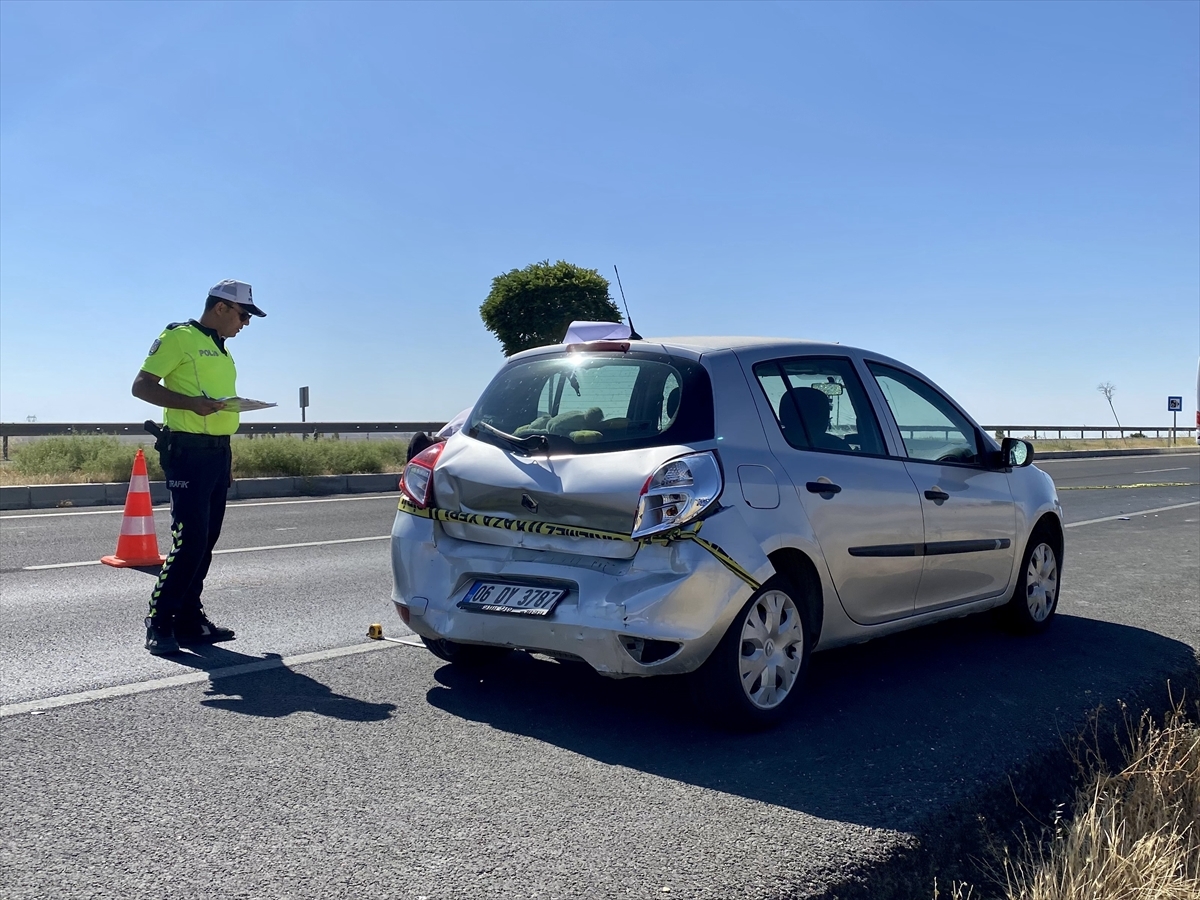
[{"x": 195, "y": 368}]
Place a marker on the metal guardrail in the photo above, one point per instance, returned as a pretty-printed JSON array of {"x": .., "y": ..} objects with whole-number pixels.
[
  {"x": 1043, "y": 432},
  {"x": 135, "y": 429}
]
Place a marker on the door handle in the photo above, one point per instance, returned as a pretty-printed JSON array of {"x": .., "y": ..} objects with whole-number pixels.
[
  {"x": 823, "y": 487},
  {"x": 937, "y": 495}
]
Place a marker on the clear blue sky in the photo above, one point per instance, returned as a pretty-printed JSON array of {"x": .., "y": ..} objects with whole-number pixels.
[{"x": 1006, "y": 196}]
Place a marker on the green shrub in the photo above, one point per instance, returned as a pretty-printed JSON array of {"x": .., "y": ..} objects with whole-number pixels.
[
  {"x": 533, "y": 306},
  {"x": 288, "y": 455},
  {"x": 92, "y": 458}
]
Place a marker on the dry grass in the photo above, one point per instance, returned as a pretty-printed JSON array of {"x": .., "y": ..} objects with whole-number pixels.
[
  {"x": 958, "y": 891},
  {"x": 1113, "y": 443},
  {"x": 9, "y": 477},
  {"x": 1132, "y": 835}
]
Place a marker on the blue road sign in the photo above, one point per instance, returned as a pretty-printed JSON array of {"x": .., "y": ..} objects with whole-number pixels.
[{"x": 1174, "y": 404}]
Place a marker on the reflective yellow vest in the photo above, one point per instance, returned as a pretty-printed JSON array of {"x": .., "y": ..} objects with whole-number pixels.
[{"x": 193, "y": 360}]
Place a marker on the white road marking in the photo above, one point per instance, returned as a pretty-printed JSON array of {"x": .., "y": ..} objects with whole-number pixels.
[
  {"x": 141, "y": 687},
  {"x": 1127, "y": 516},
  {"x": 96, "y": 562},
  {"x": 116, "y": 511},
  {"x": 1152, "y": 471},
  {"x": 73, "y": 565}
]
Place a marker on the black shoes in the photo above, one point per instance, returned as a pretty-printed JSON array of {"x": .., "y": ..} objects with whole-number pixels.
[
  {"x": 199, "y": 630},
  {"x": 164, "y": 637},
  {"x": 160, "y": 638}
]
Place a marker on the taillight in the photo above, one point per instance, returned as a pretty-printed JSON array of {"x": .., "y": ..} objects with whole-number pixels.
[
  {"x": 678, "y": 492},
  {"x": 417, "y": 481}
]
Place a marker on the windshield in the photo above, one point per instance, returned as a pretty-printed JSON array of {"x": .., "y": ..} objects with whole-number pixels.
[{"x": 580, "y": 403}]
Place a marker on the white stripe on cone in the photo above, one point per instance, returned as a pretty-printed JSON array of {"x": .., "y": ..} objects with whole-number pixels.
[
  {"x": 137, "y": 525},
  {"x": 139, "y": 484}
]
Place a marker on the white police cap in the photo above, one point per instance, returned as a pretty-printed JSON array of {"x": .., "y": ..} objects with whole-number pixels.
[{"x": 237, "y": 292}]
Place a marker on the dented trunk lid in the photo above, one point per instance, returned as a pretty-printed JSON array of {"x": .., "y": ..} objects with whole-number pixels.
[{"x": 595, "y": 490}]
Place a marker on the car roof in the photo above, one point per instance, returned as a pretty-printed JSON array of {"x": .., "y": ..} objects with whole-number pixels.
[
  {"x": 697, "y": 345},
  {"x": 707, "y": 343}
]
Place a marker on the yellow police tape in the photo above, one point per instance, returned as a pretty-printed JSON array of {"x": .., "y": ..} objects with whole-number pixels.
[{"x": 552, "y": 529}]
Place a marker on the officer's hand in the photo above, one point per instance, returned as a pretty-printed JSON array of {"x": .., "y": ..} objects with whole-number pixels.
[{"x": 202, "y": 406}]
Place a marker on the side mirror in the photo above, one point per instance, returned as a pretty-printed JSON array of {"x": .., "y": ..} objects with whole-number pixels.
[{"x": 1015, "y": 453}]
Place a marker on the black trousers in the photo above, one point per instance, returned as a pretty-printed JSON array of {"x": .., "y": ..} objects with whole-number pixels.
[{"x": 197, "y": 470}]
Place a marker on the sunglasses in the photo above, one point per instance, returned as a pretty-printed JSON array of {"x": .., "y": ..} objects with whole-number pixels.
[{"x": 242, "y": 314}]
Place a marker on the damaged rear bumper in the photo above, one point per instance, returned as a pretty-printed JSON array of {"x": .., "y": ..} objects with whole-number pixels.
[{"x": 660, "y": 611}]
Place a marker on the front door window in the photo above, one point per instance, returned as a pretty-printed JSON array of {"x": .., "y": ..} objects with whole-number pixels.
[{"x": 931, "y": 428}]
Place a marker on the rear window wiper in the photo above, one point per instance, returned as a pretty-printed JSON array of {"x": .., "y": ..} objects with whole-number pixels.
[{"x": 524, "y": 444}]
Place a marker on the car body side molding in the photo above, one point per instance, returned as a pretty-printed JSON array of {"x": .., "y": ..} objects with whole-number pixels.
[{"x": 936, "y": 548}]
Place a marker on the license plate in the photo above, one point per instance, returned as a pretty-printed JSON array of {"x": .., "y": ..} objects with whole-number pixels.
[{"x": 515, "y": 599}]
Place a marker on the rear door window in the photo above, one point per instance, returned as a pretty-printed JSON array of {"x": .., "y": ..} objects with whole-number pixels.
[
  {"x": 931, "y": 428},
  {"x": 820, "y": 404},
  {"x": 588, "y": 402}
]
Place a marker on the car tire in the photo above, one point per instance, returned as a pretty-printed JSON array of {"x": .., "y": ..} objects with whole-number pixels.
[
  {"x": 468, "y": 656},
  {"x": 1034, "y": 600},
  {"x": 752, "y": 678}
]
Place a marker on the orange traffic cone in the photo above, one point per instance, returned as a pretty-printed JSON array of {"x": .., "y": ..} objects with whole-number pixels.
[{"x": 137, "y": 544}]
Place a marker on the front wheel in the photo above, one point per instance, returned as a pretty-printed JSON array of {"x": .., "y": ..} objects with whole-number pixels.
[
  {"x": 753, "y": 677},
  {"x": 469, "y": 656},
  {"x": 1035, "y": 598}
]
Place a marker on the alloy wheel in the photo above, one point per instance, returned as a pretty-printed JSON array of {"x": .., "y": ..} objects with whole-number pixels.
[{"x": 772, "y": 649}]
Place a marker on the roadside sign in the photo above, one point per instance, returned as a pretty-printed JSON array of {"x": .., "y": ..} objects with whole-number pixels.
[{"x": 1175, "y": 407}]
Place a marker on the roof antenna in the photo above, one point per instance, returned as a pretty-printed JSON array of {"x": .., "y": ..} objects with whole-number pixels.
[{"x": 632, "y": 331}]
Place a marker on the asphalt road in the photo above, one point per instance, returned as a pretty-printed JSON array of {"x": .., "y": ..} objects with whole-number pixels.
[{"x": 384, "y": 773}]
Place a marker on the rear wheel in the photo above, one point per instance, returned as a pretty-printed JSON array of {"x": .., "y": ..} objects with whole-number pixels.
[
  {"x": 753, "y": 677},
  {"x": 1035, "y": 599},
  {"x": 469, "y": 656}
]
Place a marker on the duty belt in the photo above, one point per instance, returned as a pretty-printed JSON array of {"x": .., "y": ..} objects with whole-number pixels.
[
  {"x": 203, "y": 441},
  {"x": 165, "y": 437},
  {"x": 552, "y": 529}
]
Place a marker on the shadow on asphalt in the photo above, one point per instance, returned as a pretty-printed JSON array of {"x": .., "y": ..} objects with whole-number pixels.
[
  {"x": 276, "y": 692},
  {"x": 888, "y": 733}
]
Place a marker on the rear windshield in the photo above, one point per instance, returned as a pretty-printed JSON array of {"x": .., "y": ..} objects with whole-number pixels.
[{"x": 594, "y": 402}]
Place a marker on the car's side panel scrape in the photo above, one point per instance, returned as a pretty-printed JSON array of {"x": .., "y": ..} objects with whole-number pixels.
[
  {"x": 717, "y": 594},
  {"x": 414, "y": 557}
]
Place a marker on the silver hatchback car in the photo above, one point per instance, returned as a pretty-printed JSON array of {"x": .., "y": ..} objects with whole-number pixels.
[{"x": 717, "y": 506}]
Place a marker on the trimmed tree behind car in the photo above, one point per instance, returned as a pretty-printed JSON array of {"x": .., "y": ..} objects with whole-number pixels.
[{"x": 533, "y": 306}]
